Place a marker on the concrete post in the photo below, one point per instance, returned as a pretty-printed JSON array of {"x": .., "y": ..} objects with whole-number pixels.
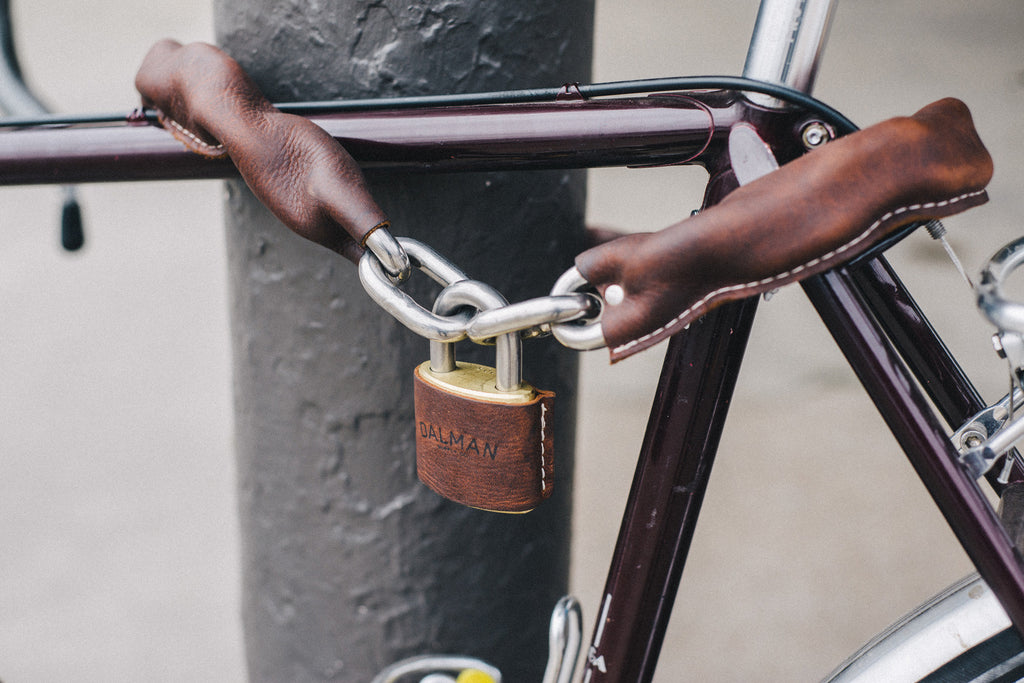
[{"x": 349, "y": 563}]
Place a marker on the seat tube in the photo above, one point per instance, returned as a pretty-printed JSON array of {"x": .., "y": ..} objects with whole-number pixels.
[
  {"x": 696, "y": 386},
  {"x": 690, "y": 406},
  {"x": 787, "y": 44}
]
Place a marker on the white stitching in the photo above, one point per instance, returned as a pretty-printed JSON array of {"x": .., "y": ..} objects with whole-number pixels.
[
  {"x": 543, "y": 424},
  {"x": 798, "y": 269},
  {"x": 192, "y": 136}
]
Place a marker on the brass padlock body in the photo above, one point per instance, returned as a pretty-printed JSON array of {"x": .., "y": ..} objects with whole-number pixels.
[{"x": 480, "y": 447}]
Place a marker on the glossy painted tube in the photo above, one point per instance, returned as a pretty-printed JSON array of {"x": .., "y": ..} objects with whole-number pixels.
[{"x": 663, "y": 129}]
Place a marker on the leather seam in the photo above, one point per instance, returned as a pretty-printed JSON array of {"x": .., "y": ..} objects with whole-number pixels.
[
  {"x": 543, "y": 461},
  {"x": 794, "y": 271},
  {"x": 199, "y": 142}
]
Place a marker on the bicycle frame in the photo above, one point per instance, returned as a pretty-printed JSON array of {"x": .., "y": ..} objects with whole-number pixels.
[{"x": 884, "y": 335}]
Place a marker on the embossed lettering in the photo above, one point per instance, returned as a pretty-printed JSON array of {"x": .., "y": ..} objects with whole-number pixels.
[{"x": 457, "y": 441}]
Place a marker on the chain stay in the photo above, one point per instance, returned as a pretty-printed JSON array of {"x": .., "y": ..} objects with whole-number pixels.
[{"x": 571, "y": 315}]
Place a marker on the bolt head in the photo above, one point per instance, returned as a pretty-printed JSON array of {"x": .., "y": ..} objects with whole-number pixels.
[
  {"x": 815, "y": 134},
  {"x": 972, "y": 440}
]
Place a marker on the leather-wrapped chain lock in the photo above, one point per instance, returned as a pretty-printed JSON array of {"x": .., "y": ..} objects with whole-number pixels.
[{"x": 483, "y": 436}]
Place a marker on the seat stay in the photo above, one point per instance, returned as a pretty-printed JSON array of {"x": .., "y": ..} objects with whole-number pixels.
[{"x": 909, "y": 416}]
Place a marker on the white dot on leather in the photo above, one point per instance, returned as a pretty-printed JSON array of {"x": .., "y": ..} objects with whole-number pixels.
[{"x": 614, "y": 295}]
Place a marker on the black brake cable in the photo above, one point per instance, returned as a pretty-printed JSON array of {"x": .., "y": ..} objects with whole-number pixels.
[{"x": 831, "y": 116}]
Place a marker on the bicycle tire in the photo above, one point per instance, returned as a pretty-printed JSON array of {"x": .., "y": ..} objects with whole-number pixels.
[{"x": 961, "y": 635}]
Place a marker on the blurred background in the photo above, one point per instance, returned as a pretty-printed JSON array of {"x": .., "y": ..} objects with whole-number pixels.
[{"x": 118, "y": 531}]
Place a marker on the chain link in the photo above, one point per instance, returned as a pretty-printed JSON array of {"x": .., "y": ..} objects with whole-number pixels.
[
  {"x": 584, "y": 335},
  {"x": 389, "y": 252},
  {"x": 572, "y": 316},
  {"x": 380, "y": 287}
]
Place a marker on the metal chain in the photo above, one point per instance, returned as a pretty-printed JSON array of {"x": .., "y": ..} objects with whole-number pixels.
[{"x": 572, "y": 316}]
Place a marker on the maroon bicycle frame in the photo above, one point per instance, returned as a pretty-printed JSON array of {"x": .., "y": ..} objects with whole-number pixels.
[{"x": 883, "y": 334}]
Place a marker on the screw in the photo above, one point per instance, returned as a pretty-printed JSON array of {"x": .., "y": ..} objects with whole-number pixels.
[
  {"x": 815, "y": 134},
  {"x": 972, "y": 440}
]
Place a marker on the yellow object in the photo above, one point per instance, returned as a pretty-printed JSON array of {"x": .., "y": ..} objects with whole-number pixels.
[{"x": 473, "y": 676}]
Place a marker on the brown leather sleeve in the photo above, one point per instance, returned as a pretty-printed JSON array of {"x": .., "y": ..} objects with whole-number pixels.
[
  {"x": 297, "y": 170},
  {"x": 810, "y": 215}
]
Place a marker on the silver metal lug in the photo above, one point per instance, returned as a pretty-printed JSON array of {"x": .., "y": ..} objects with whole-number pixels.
[{"x": 989, "y": 434}]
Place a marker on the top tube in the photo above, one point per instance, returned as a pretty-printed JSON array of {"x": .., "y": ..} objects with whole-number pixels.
[{"x": 787, "y": 44}]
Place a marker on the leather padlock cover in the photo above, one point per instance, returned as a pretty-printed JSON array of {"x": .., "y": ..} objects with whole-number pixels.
[{"x": 488, "y": 455}]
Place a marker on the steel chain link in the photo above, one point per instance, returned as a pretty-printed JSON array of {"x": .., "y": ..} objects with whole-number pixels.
[{"x": 570, "y": 315}]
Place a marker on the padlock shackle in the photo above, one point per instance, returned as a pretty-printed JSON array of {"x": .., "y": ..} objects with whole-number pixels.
[{"x": 508, "y": 361}]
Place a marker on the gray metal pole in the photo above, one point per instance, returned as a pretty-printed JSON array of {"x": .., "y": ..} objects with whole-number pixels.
[{"x": 349, "y": 563}]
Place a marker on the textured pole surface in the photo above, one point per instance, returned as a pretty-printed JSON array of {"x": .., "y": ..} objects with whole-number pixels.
[{"x": 349, "y": 562}]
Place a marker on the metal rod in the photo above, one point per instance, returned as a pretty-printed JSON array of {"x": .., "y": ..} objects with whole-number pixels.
[
  {"x": 1006, "y": 437},
  {"x": 787, "y": 44}
]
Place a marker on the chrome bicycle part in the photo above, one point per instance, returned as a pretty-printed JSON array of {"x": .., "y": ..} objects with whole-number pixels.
[
  {"x": 980, "y": 459},
  {"x": 986, "y": 423},
  {"x": 565, "y": 639},
  {"x": 989, "y": 434},
  {"x": 403, "y": 307},
  {"x": 962, "y": 617},
  {"x": 579, "y": 335},
  {"x": 430, "y": 665},
  {"x": 382, "y": 244},
  {"x": 792, "y": 61},
  {"x": 508, "y": 362},
  {"x": 994, "y": 431},
  {"x": 1006, "y": 315}
]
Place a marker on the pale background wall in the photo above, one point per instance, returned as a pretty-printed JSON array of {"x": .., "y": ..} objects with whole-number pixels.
[{"x": 118, "y": 535}]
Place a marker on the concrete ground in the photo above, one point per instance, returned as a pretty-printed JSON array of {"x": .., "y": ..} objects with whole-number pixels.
[{"x": 118, "y": 540}]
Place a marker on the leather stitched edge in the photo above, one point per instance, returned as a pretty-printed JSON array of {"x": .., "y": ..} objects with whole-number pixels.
[{"x": 673, "y": 325}]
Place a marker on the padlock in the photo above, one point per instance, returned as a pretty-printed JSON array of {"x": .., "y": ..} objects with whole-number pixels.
[{"x": 483, "y": 436}]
